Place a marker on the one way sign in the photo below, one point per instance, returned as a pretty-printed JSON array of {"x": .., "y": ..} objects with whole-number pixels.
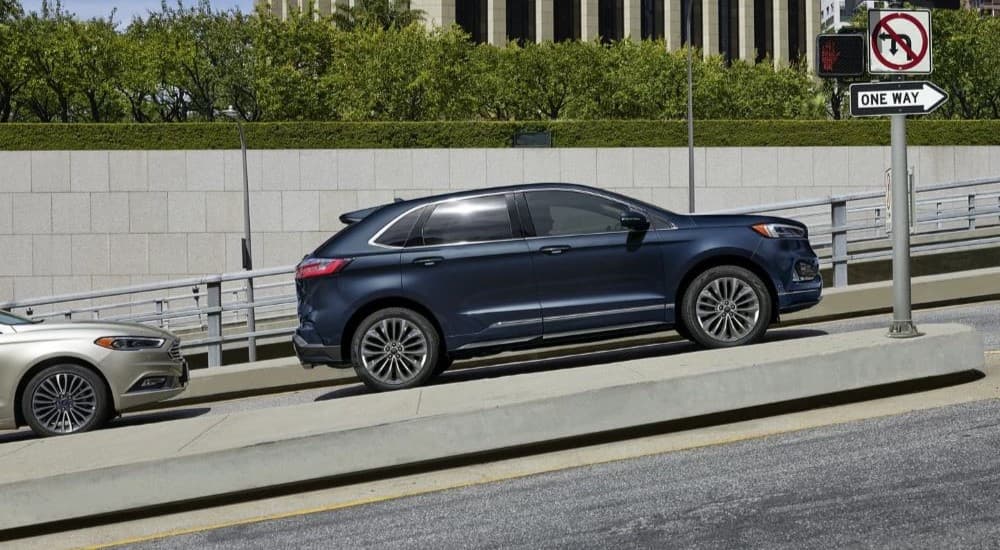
[{"x": 895, "y": 98}]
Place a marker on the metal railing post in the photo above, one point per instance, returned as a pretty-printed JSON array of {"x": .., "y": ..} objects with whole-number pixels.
[
  {"x": 972, "y": 211},
  {"x": 215, "y": 323},
  {"x": 938, "y": 215},
  {"x": 838, "y": 220},
  {"x": 158, "y": 305}
]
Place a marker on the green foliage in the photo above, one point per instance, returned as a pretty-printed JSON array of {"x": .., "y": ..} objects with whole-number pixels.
[
  {"x": 376, "y": 14},
  {"x": 566, "y": 133},
  {"x": 183, "y": 64},
  {"x": 967, "y": 63}
]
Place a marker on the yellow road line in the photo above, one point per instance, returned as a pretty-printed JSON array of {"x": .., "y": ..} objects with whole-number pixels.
[{"x": 481, "y": 481}]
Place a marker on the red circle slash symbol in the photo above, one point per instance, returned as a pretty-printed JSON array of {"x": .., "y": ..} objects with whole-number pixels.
[{"x": 913, "y": 58}]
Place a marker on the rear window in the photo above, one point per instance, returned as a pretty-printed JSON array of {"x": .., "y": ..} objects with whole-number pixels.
[
  {"x": 468, "y": 221},
  {"x": 397, "y": 233}
]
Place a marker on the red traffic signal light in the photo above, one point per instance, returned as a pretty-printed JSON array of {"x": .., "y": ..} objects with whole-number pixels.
[{"x": 840, "y": 55}]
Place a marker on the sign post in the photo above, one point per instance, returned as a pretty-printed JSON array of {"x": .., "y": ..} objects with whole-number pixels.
[{"x": 899, "y": 43}]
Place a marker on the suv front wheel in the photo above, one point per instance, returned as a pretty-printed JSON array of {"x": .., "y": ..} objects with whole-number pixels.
[
  {"x": 727, "y": 306},
  {"x": 395, "y": 348}
]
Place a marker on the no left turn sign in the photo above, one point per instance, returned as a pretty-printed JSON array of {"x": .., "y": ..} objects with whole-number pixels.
[{"x": 899, "y": 42}]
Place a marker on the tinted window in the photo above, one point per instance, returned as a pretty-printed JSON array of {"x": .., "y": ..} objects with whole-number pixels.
[
  {"x": 397, "y": 233},
  {"x": 468, "y": 220},
  {"x": 570, "y": 213}
]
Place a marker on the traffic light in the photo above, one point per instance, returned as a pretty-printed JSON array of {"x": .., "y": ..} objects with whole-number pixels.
[{"x": 840, "y": 55}]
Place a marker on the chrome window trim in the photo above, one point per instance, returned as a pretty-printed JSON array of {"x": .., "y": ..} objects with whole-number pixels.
[{"x": 385, "y": 227}]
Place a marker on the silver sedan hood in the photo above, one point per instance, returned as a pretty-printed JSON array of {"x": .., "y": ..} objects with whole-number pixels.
[{"x": 105, "y": 328}]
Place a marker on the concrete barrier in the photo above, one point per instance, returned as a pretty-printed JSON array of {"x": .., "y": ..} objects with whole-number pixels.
[{"x": 139, "y": 467}]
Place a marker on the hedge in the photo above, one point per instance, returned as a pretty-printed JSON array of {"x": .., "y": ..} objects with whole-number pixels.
[{"x": 380, "y": 135}]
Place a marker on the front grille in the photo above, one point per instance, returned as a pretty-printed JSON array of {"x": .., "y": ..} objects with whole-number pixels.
[{"x": 175, "y": 350}]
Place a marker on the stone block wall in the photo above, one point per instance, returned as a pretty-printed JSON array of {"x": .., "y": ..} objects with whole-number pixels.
[{"x": 74, "y": 221}]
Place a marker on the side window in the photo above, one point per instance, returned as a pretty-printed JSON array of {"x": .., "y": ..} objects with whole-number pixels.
[
  {"x": 397, "y": 233},
  {"x": 571, "y": 213},
  {"x": 468, "y": 221}
]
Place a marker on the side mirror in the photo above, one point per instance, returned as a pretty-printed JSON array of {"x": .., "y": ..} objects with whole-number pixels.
[{"x": 635, "y": 221}]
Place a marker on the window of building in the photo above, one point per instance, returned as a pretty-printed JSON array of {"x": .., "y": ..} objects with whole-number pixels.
[
  {"x": 468, "y": 221},
  {"x": 566, "y": 20},
  {"x": 763, "y": 28},
  {"x": 521, "y": 21},
  {"x": 569, "y": 213},
  {"x": 471, "y": 16},
  {"x": 796, "y": 30},
  {"x": 729, "y": 29},
  {"x": 651, "y": 23},
  {"x": 610, "y": 20},
  {"x": 696, "y": 33}
]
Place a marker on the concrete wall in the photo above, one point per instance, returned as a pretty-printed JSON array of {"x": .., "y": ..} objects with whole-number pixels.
[{"x": 82, "y": 220}]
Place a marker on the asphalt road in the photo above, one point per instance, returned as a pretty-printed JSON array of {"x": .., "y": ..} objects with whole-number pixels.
[
  {"x": 985, "y": 317},
  {"x": 928, "y": 479}
]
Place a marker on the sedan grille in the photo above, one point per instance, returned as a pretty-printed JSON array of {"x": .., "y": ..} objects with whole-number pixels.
[{"x": 175, "y": 350}]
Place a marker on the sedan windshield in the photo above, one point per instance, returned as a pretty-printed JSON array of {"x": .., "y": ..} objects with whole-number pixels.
[{"x": 8, "y": 318}]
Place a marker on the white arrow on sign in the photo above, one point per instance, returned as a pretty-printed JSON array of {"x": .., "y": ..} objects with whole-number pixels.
[{"x": 886, "y": 98}]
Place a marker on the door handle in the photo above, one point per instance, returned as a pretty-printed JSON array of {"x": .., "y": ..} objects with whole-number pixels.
[
  {"x": 554, "y": 250},
  {"x": 429, "y": 261}
]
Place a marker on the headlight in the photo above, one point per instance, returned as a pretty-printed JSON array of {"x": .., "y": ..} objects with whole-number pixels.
[
  {"x": 780, "y": 231},
  {"x": 129, "y": 343}
]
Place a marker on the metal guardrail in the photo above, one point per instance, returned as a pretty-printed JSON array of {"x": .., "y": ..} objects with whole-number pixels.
[{"x": 214, "y": 302}]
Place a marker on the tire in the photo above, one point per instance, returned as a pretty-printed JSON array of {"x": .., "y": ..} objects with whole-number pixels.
[
  {"x": 681, "y": 329},
  {"x": 726, "y": 306},
  {"x": 394, "y": 349},
  {"x": 65, "y": 399}
]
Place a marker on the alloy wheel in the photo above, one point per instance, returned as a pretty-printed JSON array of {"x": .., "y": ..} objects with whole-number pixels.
[
  {"x": 64, "y": 402},
  {"x": 728, "y": 309},
  {"x": 394, "y": 350}
]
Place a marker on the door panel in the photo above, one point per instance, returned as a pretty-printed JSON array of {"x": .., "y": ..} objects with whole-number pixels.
[
  {"x": 591, "y": 273},
  {"x": 470, "y": 270},
  {"x": 597, "y": 281}
]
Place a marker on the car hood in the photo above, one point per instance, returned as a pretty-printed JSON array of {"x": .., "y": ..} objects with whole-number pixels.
[
  {"x": 733, "y": 220},
  {"x": 91, "y": 327}
]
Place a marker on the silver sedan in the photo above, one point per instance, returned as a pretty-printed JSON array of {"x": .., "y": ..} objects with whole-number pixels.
[{"x": 62, "y": 378}]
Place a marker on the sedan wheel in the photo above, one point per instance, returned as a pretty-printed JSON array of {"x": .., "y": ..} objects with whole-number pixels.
[
  {"x": 395, "y": 348},
  {"x": 727, "y": 306},
  {"x": 64, "y": 399}
]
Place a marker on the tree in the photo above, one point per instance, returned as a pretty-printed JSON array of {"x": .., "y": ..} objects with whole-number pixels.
[
  {"x": 385, "y": 14},
  {"x": 967, "y": 63},
  {"x": 406, "y": 73},
  {"x": 13, "y": 63},
  {"x": 290, "y": 60},
  {"x": 49, "y": 41}
]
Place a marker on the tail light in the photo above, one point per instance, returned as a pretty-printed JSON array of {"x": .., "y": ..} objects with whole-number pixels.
[{"x": 319, "y": 267}]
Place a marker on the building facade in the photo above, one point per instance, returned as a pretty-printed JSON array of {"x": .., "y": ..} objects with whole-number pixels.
[{"x": 784, "y": 30}]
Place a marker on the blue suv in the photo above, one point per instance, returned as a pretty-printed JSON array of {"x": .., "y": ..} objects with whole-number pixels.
[{"x": 407, "y": 287}]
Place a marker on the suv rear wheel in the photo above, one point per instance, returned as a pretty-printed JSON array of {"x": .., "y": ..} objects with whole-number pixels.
[
  {"x": 395, "y": 348},
  {"x": 727, "y": 306}
]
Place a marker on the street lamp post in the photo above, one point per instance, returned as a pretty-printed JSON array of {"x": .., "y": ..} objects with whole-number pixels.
[
  {"x": 246, "y": 248},
  {"x": 690, "y": 98}
]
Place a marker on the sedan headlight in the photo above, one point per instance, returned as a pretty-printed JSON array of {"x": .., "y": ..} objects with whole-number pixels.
[
  {"x": 780, "y": 231},
  {"x": 129, "y": 343}
]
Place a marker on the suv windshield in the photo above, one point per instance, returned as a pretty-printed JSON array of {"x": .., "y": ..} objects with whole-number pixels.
[{"x": 8, "y": 318}]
